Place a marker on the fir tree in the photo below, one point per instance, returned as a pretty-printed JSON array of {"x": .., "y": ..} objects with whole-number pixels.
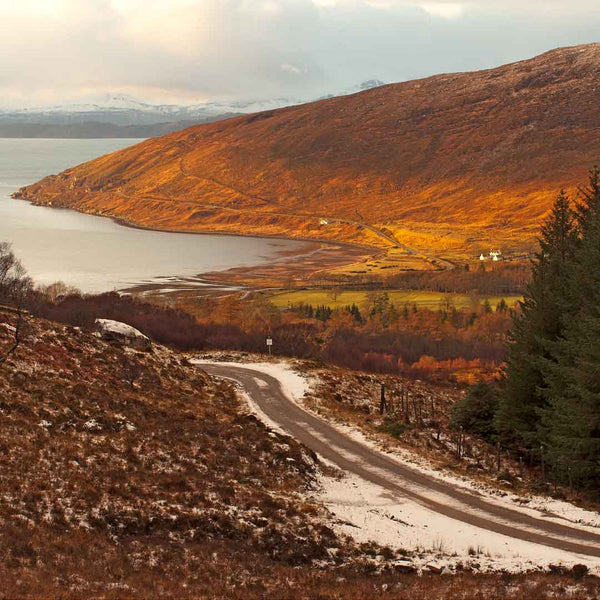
[
  {"x": 536, "y": 328},
  {"x": 572, "y": 418}
]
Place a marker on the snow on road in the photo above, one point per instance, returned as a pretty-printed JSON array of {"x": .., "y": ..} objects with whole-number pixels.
[{"x": 368, "y": 512}]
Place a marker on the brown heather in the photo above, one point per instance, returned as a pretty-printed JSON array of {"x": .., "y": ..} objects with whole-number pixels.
[
  {"x": 130, "y": 469},
  {"x": 134, "y": 475}
]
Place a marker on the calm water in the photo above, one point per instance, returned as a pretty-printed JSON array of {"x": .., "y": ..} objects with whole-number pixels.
[{"x": 94, "y": 253}]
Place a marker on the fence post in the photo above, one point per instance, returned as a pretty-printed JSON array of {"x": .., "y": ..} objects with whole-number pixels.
[
  {"x": 498, "y": 458},
  {"x": 570, "y": 471}
]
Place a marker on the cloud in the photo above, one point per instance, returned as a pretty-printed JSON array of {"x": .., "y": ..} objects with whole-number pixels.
[
  {"x": 292, "y": 69},
  {"x": 447, "y": 10},
  {"x": 193, "y": 49}
]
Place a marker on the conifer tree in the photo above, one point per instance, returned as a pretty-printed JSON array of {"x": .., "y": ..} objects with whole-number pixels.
[
  {"x": 536, "y": 328},
  {"x": 571, "y": 419}
]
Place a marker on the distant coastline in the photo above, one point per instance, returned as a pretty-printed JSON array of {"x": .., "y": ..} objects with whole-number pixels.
[{"x": 97, "y": 129}]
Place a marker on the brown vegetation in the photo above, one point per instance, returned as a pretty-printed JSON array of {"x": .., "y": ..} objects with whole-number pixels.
[
  {"x": 161, "y": 485},
  {"x": 447, "y": 345},
  {"x": 132, "y": 482},
  {"x": 447, "y": 165},
  {"x": 494, "y": 279}
]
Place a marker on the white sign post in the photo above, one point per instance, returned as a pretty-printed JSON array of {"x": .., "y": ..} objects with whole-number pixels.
[{"x": 269, "y": 344}]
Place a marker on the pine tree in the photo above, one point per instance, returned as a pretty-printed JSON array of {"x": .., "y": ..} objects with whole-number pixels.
[
  {"x": 536, "y": 328},
  {"x": 572, "y": 417},
  {"x": 501, "y": 306}
]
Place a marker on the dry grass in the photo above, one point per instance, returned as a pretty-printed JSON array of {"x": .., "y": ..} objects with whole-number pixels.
[
  {"x": 135, "y": 475},
  {"x": 113, "y": 476}
]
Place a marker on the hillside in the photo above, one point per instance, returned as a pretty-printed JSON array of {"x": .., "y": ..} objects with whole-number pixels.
[
  {"x": 134, "y": 474},
  {"x": 448, "y": 165},
  {"x": 126, "y": 473}
]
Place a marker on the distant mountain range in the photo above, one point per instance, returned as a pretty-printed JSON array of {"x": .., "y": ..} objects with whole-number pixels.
[{"x": 121, "y": 115}]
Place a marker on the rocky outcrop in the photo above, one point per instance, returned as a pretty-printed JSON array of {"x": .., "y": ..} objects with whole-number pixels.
[{"x": 123, "y": 334}]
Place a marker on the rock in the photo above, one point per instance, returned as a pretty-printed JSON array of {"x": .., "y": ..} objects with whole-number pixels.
[
  {"x": 126, "y": 335},
  {"x": 434, "y": 570}
]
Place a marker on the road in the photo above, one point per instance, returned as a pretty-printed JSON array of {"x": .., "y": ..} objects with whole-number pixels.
[{"x": 434, "y": 494}]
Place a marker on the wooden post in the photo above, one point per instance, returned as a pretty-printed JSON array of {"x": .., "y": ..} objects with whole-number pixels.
[
  {"x": 498, "y": 457},
  {"x": 382, "y": 399},
  {"x": 570, "y": 471},
  {"x": 521, "y": 466},
  {"x": 543, "y": 465}
]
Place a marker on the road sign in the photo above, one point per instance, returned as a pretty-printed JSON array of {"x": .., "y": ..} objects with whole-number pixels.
[{"x": 269, "y": 344}]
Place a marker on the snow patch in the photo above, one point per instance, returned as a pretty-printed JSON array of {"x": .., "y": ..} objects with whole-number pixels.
[{"x": 367, "y": 512}]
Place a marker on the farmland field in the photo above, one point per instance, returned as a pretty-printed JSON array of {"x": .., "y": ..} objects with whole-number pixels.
[{"x": 425, "y": 299}]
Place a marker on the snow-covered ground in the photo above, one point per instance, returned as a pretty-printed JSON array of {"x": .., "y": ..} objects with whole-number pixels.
[{"x": 368, "y": 512}]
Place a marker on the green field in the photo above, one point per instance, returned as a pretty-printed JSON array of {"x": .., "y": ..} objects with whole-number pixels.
[{"x": 432, "y": 300}]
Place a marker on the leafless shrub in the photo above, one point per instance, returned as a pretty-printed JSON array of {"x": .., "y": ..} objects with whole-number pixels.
[{"x": 14, "y": 282}]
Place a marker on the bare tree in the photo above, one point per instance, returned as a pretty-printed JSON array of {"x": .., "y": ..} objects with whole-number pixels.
[
  {"x": 18, "y": 334},
  {"x": 15, "y": 285},
  {"x": 14, "y": 282},
  {"x": 57, "y": 290},
  {"x": 334, "y": 293}
]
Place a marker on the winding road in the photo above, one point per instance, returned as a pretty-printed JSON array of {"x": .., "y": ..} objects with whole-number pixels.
[{"x": 398, "y": 479}]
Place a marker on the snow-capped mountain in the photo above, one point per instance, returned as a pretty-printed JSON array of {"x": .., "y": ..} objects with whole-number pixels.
[{"x": 125, "y": 111}]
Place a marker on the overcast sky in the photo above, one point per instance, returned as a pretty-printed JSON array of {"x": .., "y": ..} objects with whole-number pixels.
[{"x": 189, "y": 50}]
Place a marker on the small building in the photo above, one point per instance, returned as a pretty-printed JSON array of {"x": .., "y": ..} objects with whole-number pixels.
[{"x": 494, "y": 255}]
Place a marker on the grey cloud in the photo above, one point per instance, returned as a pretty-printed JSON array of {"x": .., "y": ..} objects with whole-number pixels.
[{"x": 265, "y": 48}]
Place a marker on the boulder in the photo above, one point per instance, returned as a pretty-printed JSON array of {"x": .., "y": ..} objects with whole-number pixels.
[{"x": 121, "y": 333}]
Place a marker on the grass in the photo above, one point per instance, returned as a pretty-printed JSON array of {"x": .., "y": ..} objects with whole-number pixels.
[
  {"x": 391, "y": 261},
  {"x": 424, "y": 299},
  {"x": 134, "y": 471}
]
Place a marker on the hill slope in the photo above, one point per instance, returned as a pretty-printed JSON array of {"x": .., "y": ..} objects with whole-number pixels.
[
  {"x": 448, "y": 164},
  {"x": 137, "y": 473}
]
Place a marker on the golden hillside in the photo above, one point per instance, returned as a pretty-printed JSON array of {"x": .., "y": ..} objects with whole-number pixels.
[{"x": 448, "y": 165}]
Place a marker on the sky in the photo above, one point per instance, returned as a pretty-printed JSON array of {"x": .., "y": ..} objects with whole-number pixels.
[{"x": 187, "y": 51}]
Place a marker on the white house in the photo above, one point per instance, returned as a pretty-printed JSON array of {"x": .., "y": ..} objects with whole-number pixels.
[{"x": 494, "y": 255}]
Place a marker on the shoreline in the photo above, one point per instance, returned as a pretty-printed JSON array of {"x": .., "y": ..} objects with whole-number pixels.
[
  {"x": 299, "y": 265},
  {"x": 126, "y": 223}
]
